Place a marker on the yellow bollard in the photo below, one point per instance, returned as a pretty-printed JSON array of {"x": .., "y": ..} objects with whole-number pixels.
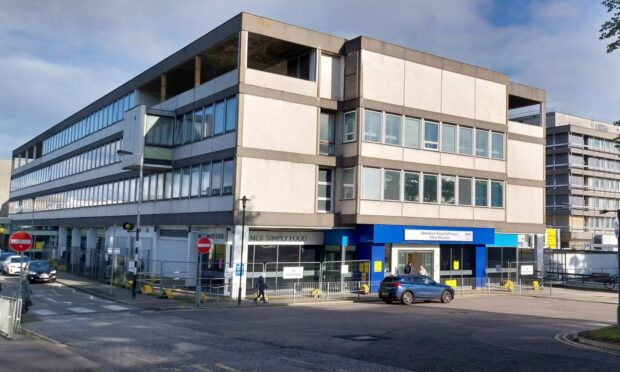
[
  {"x": 146, "y": 289},
  {"x": 535, "y": 285},
  {"x": 316, "y": 293},
  {"x": 364, "y": 289},
  {"x": 450, "y": 282}
]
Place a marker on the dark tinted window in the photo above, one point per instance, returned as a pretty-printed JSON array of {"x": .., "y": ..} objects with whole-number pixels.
[
  {"x": 390, "y": 279},
  {"x": 39, "y": 265}
]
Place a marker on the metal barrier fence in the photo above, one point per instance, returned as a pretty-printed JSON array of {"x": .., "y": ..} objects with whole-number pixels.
[{"x": 10, "y": 315}]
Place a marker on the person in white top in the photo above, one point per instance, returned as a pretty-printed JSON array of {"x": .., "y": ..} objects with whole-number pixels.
[{"x": 423, "y": 271}]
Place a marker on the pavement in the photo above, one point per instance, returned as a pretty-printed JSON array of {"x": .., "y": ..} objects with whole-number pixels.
[{"x": 30, "y": 351}]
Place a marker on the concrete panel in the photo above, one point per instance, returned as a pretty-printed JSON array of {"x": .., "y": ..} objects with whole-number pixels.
[
  {"x": 524, "y": 204},
  {"x": 346, "y": 207},
  {"x": 421, "y": 156},
  {"x": 490, "y": 165},
  {"x": 457, "y": 94},
  {"x": 279, "y": 126},
  {"x": 380, "y": 208},
  {"x": 422, "y": 87},
  {"x": 383, "y": 78},
  {"x": 526, "y": 129},
  {"x": 457, "y": 161},
  {"x": 278, "y": 186},
  {"x": 525, "y": 160},
  {"x": 209, "y": 145},
  {"x": 490, "y": 214},
  {"x": 490, "y": 101},
  {"x": 420, "y": 210},
  {"x": 349, "y": 149},
  {"x": 331, "y": 77},
  {"x": 280, "y": 82},
  {"x": 375, "y": 150},
  {"x": 456, "y": 213}
]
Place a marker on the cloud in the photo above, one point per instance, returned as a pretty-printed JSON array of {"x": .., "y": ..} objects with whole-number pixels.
[{"x": 58, "y": 56}]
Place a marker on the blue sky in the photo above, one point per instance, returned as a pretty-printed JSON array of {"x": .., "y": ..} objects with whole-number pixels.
[{"x": 58, "y": 56}]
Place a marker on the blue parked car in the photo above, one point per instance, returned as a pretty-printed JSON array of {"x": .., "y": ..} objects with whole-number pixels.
[{"x": 410, "y": 288}]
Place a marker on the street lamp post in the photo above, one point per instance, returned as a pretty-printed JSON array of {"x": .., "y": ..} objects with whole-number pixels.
[
  {"x": 136, "y": 253},
  {"x": 244, "y": 200},
  {"x": 617, "y": 231}
]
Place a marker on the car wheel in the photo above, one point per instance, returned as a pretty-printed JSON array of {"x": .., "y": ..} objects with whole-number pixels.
[
  {"x": 406, "y": 298},
  {"x": 387, "y": 300},
  {"x": 446, "y": 297}
]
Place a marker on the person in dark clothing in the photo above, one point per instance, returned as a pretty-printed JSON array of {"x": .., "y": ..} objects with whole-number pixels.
[
  {"x": 408, "y": 268},
  {"x": 260, "y": 287}
]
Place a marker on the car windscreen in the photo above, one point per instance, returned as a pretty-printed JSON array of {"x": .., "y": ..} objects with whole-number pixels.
[
  {"x": 18, "y": 259},
  {"x": 39, "y": 265},
  {"x": 391, "y": 279}
]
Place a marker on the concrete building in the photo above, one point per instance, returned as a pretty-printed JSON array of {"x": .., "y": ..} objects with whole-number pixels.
[
  {"x": 355, "y": 152},
  {"x": 582, "y": 168},
  {"x": 5, "y": 179}
]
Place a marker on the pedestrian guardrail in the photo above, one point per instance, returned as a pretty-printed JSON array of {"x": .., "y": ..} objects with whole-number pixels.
[{"x": 10, "y": 316}]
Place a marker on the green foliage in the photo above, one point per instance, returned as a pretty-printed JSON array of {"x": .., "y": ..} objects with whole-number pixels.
[
  {"x": 610, "y": 333},
  {"x": 611, "y": 29}
]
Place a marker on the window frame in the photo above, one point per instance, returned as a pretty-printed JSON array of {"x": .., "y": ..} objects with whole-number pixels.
[{"x": 429, "y": 144}]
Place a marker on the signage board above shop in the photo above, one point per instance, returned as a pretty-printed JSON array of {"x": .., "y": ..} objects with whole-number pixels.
[
  {"x": 286, "y": 237},
  {"x": 440, "y": 235}
]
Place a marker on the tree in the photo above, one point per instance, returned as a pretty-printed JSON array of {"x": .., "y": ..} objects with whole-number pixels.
[{"x": 611, "y": 29}]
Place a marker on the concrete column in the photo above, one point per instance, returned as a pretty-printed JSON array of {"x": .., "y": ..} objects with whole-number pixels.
[
  {"x": 242, "y": 54},
  {"x": 91, "y": 243},
  {"x": 62, "y": 241},
  {"x": 197, "y": 68},
  {"x": 76, "y": 237},
  {"x": 162, "y": 88},
  {"x": 237, "y": 258}
]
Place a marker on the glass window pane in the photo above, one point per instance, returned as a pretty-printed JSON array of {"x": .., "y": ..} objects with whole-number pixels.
[
  {"x": 326, "y": 133},
  {"x": 497, "y": 194},
  {"x": 168, "y": 185},
  {"x": 206, "y": 180},
  {"x": 412, "y": 132},
  {"x": 371, "y": 183},
  {"x": 464, "y": 191},
  {"x": 412, "y": 187},
  {"x": 497, "y": 145},
  {"x": 185, "y": 182},
  {"x": 188, "y": 127},
  {"x": 431, "y": 135},
  {"x": 448, "y": 138},
  {"x": 216, "y": 178},
  {"x": 231, "y": 113},
  {"x": 227, "y": 187},
  {"x": 348, "y": 134},
  {"x": 176, "y": 183},
  {"x": 348, "y": 183},
  {"x": 153, "y": 187},
  {"x": 481, "y": 193},
  {"x": 448, "y": 184},
  {"x": 391, "y": 185},
  {"x": 465, "y": 141},
  {"x": 392, "y": 129},
  {"x": 198, "y": 124},
  {"x": 220, "y": 116},
  {"x": 482, "y": 143},
  {"x": 372, "y": 126},
  {"x": 209, "y": 121},
  {"x": 195, "y": 188},
  {"x": 430, "y": 188},
  {"x": 178, "y": 130}
]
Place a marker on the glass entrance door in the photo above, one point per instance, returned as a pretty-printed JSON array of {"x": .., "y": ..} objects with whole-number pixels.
[{"x": 417, "y": 259}]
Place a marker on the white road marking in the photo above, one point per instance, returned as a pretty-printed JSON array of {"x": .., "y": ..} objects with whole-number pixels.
[
  {"x": 115, "y": 307},
  {"x": 81, "y": 310},
  {"x": 44, "y": 312}
]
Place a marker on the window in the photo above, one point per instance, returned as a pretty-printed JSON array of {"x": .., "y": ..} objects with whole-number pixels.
[
  {"x": 324, "y": 197},
  {"x": 205, "y": 183},
  {"x": 227, "y": 186},
  {"x": 195, "y": 185},
  {"x": 160, "y": 187},
  {"x": 185, "y": 182},
  {"x": 497, "y": 145},
  {"x": 348, "y": 133},
  {"x": 188, "y": 127},
  {"x": 412, "y": 187},
  {"x": 348, "y": 183},
  {"x": 482, "y": 143},
  {"x": 481, "y": 193},
  {"x": 220, "y": 116},
  {"x": 372, "y": 126},
  {"x": 168, "y": 185},
  {"x": 431, "y": 135},
  {"x": 391, "y": 185},
  {"x": 326, "y": 133},
  {"x": 392, "y": 129},
  {"x": 216, "y": 178},
  {"x": 430, "y": 188},
  {"x": 448, "y": 184},
  {"x": 412, "y": 132},
  {"x": 371, "y": 183},
  {"x": 209, "y": 120},
  {"x": 231, "y": 113},
  {"x": 176, "y": 184},
  {"x": 497, "y": 194},
  {"x": 448, "y": 138},
  {"x": 464, "y": 191},
  {"x": 198, "y": 124}
]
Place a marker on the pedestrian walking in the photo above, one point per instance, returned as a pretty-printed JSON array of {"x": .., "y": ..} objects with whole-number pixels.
[
  {"x": 408, "y": 268},
  {"x": 423, "y": 271},
  {"x": 26, "y": 293},
  {"x": 260, "y": 288}
]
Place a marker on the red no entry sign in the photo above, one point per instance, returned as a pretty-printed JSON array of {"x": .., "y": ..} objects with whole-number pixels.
[
  {"x": 20, "y": 241},
  {"x": 203, "y": 245}
]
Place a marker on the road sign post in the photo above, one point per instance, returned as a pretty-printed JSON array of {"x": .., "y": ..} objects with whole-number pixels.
[
  {"x": 203, "y": 246},
  {"x": 20, "y": 242}
]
